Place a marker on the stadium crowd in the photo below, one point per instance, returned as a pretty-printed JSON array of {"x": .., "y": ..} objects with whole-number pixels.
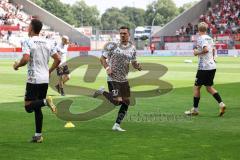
[
  {"x": 12, "y": 15},
  {"x": 223, "y": 18},
  {"x": 14, "y": 24}
]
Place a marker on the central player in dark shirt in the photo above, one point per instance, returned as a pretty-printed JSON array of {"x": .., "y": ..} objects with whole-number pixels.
[{"x": 115, "y": 59}]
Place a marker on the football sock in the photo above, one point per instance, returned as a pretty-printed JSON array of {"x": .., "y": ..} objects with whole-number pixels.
[
  {"x": 109, "y": 96},
  {"x": 121, "y": 113},
  {"x": 38, "y": 120},
  {"x": 217, "y": 97},
  {"x": 38, "y": 134},
  {"x": 62, "y": 91},
  {"x": 196, "y": 101},
  {"x": 126, "y": 101}
]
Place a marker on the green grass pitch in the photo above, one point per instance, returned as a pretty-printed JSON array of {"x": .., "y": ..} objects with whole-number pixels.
[{"x": 206, "y": 137}]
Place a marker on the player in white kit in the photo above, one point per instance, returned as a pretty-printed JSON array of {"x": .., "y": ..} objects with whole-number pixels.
[
  {"x": 36, "y": 53},
  {"x": 62, "y": 70},
  {"x": 206, "y": 70}
]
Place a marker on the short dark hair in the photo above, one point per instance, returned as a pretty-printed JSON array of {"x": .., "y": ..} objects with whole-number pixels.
[
  {"x": 36, "y": 25},
  {"x": 124, "y": 27}
]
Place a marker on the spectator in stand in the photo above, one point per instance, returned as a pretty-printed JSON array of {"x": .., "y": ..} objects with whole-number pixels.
[
  {"x": 214, "y": 30},
  {"x": 228, "y": 31},
  {"x": 238, "y": 31},
  {"x": 187, "y": 31},
  {"x": 195, "y": 29},
  {"x": 177, "y": 33},
  {"x": 191, "y": 28},
  {"x": 9, "y": 35},
  {"x": 152, "y": 48}
]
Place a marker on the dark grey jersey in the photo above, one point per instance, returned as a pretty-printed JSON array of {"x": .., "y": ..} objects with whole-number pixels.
[{"x": 119, "y": 57}]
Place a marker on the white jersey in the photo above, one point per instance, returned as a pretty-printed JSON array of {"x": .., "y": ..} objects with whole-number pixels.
[
  {"x": 39, "y": 49},
  {"x": 63, "y": 50},
  {"x": 206, "y": 61}
]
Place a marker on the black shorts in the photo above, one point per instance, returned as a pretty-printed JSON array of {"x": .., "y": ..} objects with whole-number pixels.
[
  {"x": 205, "y": 77},
  {"x": 119, "y": 89},
  {"x": 36, "y": 91},
  {"x": 62, "y": 70}
]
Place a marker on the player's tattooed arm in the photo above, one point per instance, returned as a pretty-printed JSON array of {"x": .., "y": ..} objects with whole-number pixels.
[
  {"x": 205, "y": 50},
  {"x": 136, "y": 65},
  {"x": 195, "y": 52},
  {"x": 22, "y": 62},
  {"x": 103, "y": 61},
  {"x": 56, "y": 62}
]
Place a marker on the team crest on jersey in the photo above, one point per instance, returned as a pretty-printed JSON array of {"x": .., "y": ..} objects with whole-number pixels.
[{"x": 110, "y": 46}]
